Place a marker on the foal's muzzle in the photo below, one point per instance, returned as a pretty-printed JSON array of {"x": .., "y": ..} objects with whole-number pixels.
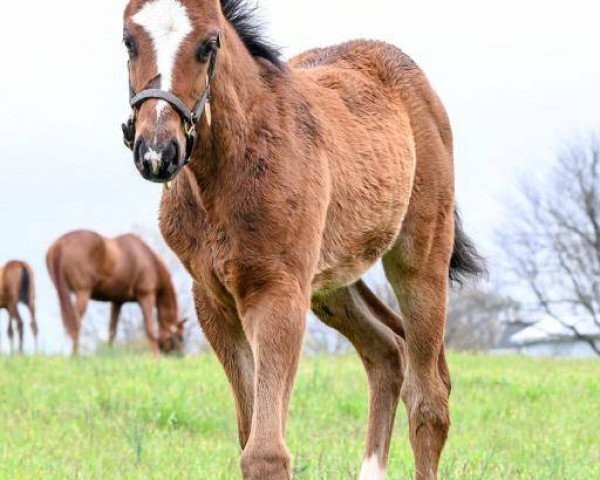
[
  {"x": 157, "y": 162},
  {"x": 161, "y": 160}
]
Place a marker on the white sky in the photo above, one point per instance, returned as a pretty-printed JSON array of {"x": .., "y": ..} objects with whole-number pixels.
[{"x": 519, "y": 79}]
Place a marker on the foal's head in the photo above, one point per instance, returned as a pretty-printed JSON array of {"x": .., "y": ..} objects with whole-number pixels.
[
  {"x": 173, "y": 46},
  {"x": 170, "y": 45}
]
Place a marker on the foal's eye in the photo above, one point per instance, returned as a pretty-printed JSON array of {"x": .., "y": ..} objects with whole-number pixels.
[
  {"x": 130, "y": 46},
  {"x": 205, "y": 50}
]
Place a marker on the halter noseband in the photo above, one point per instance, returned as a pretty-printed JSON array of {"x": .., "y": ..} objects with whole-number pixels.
[{"x": 190, "y": 118}]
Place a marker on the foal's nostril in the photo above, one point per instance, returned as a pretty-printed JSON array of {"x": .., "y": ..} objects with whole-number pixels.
[
  {"x": 171, "y": 153},
  {"x": 139, "y": 150}
]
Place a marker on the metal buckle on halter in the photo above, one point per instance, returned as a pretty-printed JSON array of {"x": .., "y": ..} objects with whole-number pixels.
[
  {"x": 191, "y": 136},
  {"x": 190, "y": 128}
]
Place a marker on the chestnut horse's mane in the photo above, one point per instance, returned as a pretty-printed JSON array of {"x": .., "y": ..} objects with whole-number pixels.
[{"x": 241, "y": 15}]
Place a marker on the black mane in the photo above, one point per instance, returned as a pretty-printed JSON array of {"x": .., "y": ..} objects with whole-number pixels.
[{"x": 242, "y": 18}]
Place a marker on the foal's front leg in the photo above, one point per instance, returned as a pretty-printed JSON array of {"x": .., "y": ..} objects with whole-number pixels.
[
  {"x": 224, "y": 332},
  {"x": 274, "y": 320}
]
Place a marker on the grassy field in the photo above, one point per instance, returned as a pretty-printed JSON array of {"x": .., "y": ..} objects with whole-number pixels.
[{"x": 137, "y": 418}]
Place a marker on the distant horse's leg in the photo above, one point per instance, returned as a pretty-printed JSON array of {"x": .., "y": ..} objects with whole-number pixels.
[
  {"x": 34, "y": 326},
  {"x": 224, "y": 331},
  {"x": 362, "y": 318},
  {"x": 11, "y": 333},
  {"x": 417, "y": 267},
  {"x": 147, "y": 302},
  {"x": 274, "y": 320},
  {"x": 82, "y": 298},
  {"x": 115, "y": 310},
  {"x": 14, "y": 311},
  {"x": 21, "y": 332}
]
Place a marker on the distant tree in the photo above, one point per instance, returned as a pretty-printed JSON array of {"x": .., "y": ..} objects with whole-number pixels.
[
  {"x": 552, "y": 242},
  {"x": 477, "y": 318}
]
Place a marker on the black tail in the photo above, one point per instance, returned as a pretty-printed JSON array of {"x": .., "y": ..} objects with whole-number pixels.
[
  {"x": 466, "y": 261},
  {"x": 25, "y": 280}
]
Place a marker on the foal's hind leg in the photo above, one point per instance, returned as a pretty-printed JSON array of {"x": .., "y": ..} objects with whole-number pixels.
[
  {"x": 363, "y": 319},
  {"x": 224, "y": 331},
  {"x": 418, "y": 271}
]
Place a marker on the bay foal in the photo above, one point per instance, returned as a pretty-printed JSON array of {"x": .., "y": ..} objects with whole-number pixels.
[
  {"x": 17, "y": 285},
  {"x": 303, "y": 175},
  {"x": 120, "y": 270}
]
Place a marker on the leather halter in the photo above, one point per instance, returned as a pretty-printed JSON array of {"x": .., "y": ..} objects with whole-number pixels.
[{"x": 190, "y": 118}]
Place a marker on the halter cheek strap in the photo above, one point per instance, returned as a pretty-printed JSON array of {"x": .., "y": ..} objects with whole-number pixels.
[{"x": 190, "y": 118}]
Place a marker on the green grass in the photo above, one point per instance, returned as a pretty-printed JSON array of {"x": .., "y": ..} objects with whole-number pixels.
[{"x": 137, "y": 418}]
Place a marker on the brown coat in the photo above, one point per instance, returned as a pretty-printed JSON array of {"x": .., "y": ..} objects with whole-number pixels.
[
  {"x": 119, "y": 270},
  {"x": 17, "y": 285},
  {"x": 309, "y": 172}
]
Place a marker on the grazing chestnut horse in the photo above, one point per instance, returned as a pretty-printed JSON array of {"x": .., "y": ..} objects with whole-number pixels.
[
  {"x": 117, "y": 270},
  {"x": 296, "y": 179},
  {"x": 17, "y": 286}
]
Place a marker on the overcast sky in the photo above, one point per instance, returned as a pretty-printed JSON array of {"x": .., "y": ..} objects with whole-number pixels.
[{"x": 519, "y": 79}]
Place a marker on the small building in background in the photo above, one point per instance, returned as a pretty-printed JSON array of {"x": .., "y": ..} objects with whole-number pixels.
[
  {"x": 505, "y": 344},
  {"x": 550, "y": 338}
]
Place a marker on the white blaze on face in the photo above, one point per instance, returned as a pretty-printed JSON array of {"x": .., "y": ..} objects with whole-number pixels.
[
  {"x": 168, "y": 24},
  {"x": 371, "y": 470}
]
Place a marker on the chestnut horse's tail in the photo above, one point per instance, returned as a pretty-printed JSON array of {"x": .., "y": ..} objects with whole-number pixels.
[
  {"x": 466, "y": 260},
  {"x": 58, "y": 278}
]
